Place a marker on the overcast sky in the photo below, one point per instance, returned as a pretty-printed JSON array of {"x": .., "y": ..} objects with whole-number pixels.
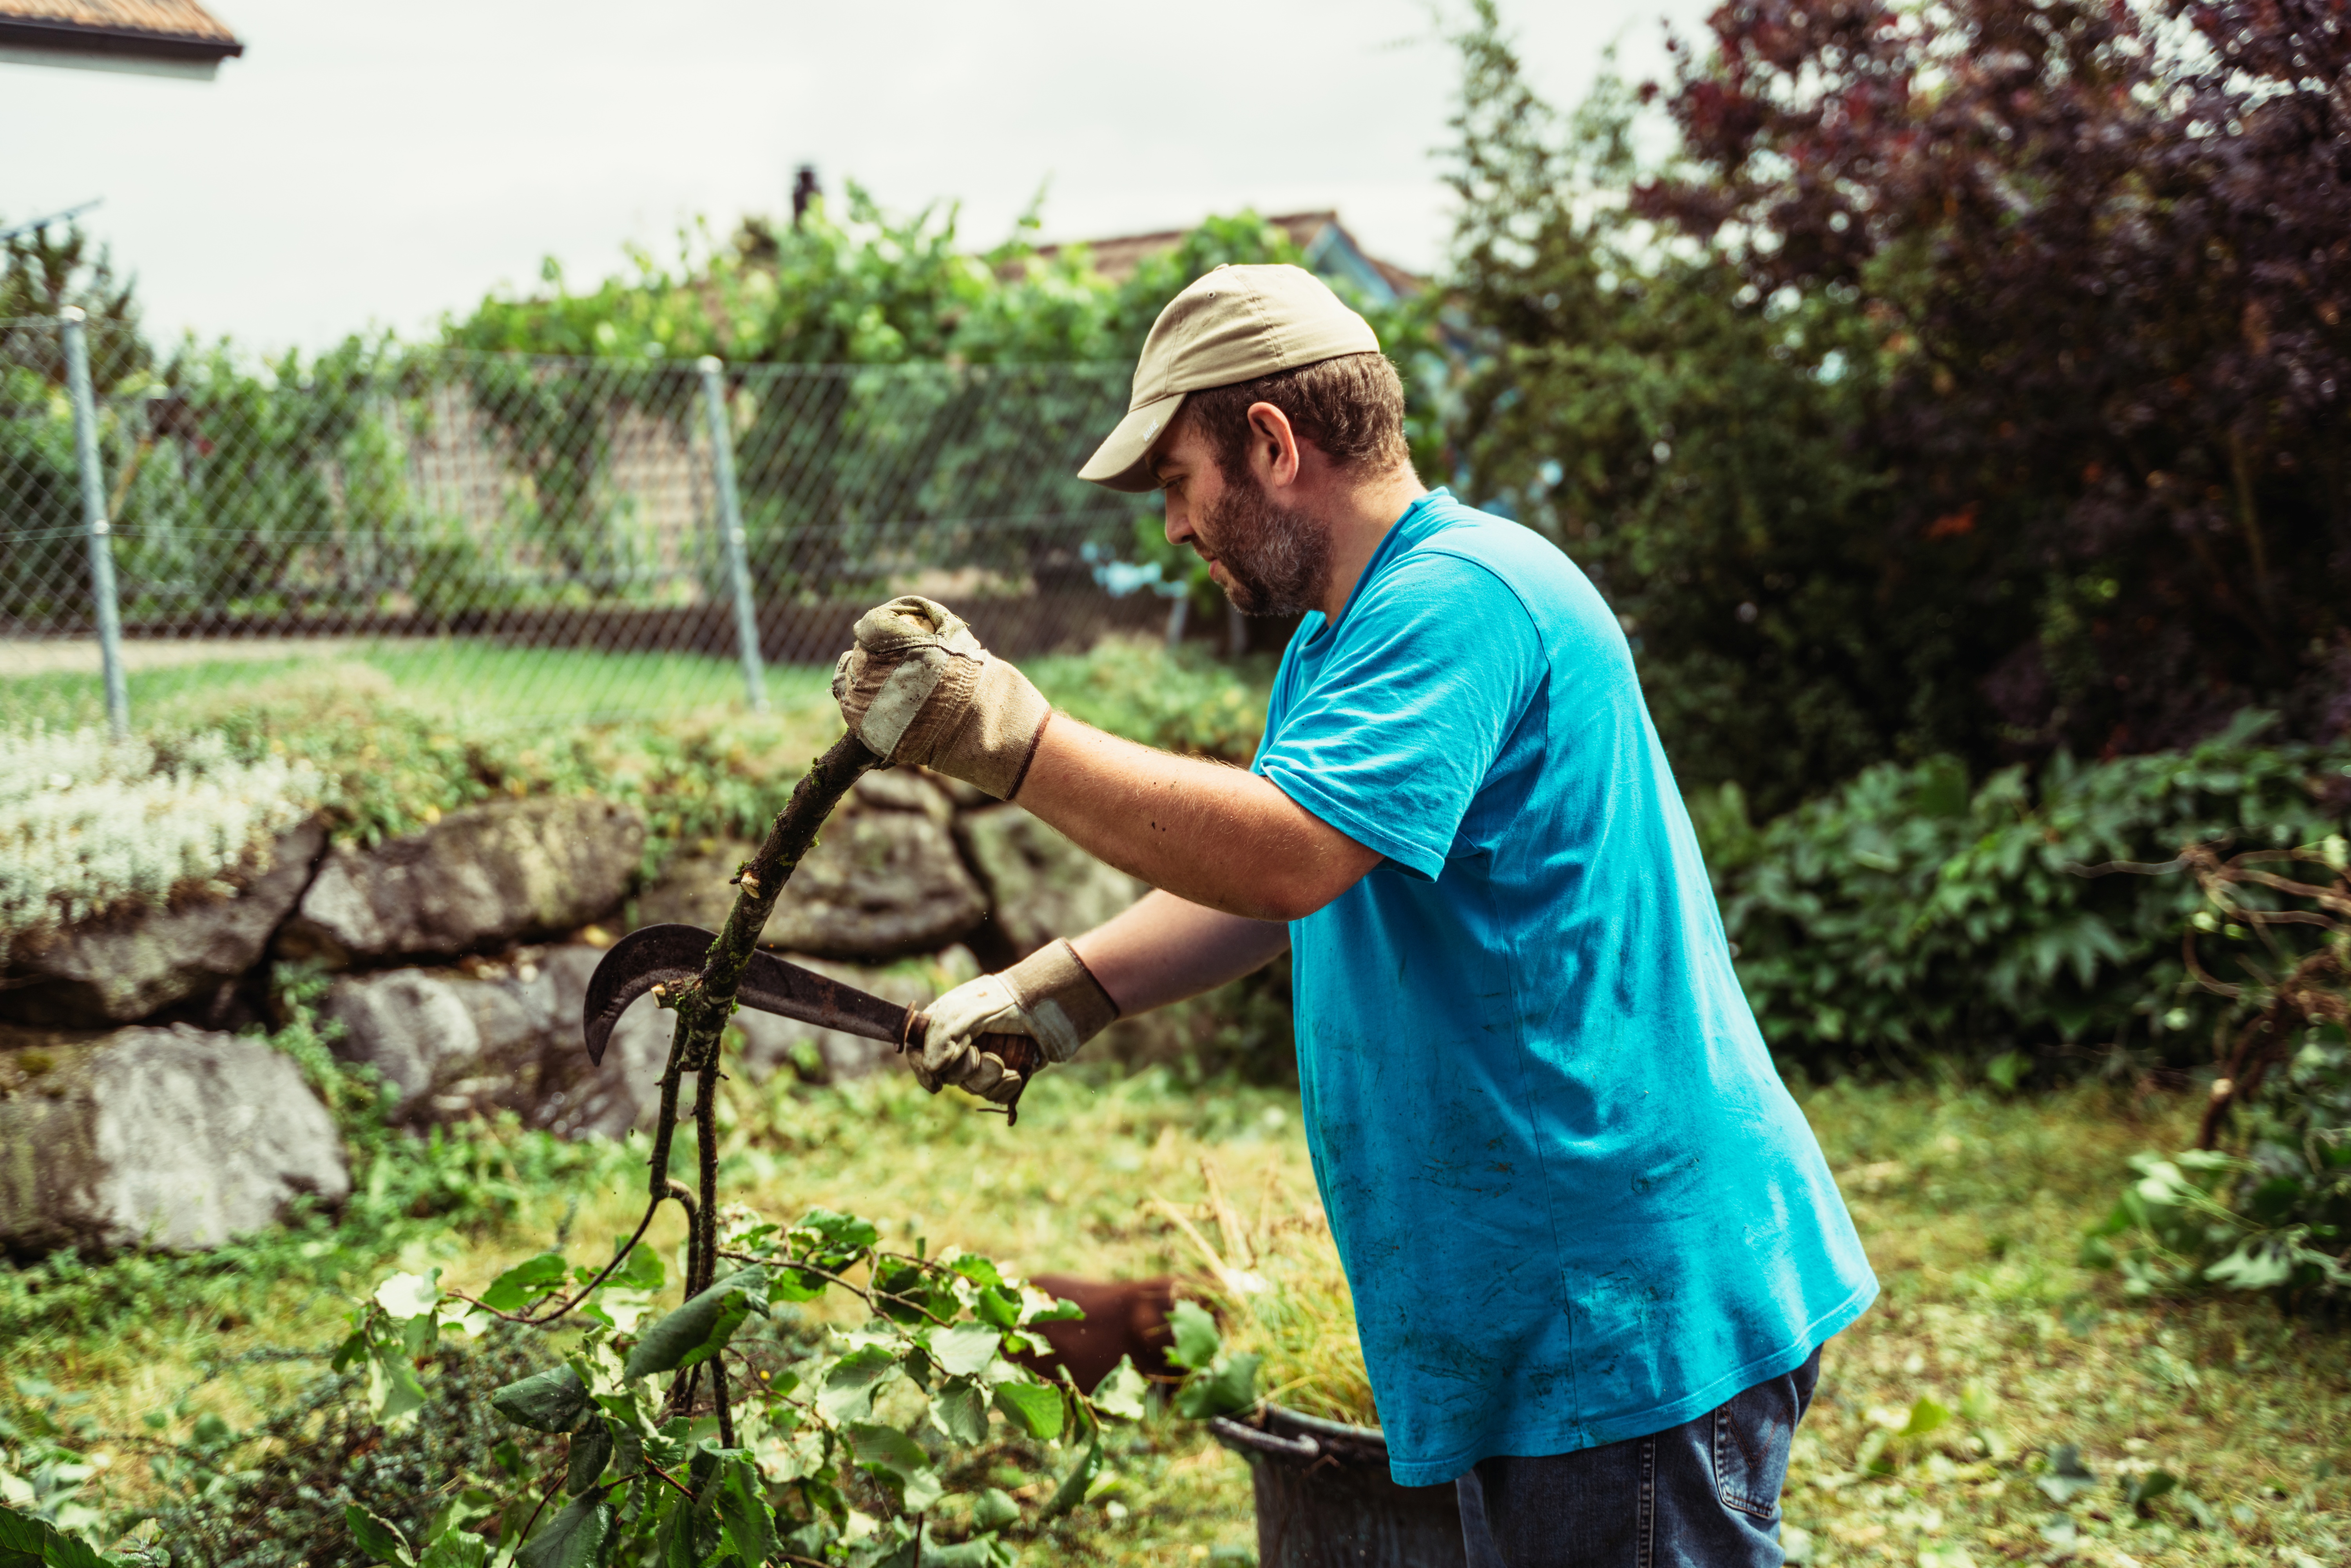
[{"x": 380, "y": 165}]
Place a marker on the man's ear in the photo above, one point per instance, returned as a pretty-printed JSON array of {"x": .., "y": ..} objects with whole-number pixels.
[{"x": 1273, "y": 445}]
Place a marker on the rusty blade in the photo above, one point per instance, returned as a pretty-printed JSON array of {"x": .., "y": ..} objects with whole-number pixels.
[{"x": 673, "y": 955}]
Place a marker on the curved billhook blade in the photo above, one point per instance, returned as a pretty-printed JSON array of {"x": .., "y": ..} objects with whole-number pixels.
[{"x": 673, "y": 955}]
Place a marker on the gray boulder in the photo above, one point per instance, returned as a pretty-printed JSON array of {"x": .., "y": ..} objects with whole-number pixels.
[
  {"x": 172, "y": 1138},
  {"x": 502, "y": 1036},
  {"x": 1040, "y": 885},
  {"x": 506, "y": 1036},
  {"x": 884, "y": 880},
  {"x": 128, "y": 964},
  {"x": 478, "y": 878}
]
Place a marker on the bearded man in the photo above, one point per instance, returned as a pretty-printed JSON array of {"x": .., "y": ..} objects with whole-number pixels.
[{"x": 1594, "y": 1247}]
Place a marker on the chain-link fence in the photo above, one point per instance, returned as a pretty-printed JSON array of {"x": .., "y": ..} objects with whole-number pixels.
[{"x": 566, "y": 523}]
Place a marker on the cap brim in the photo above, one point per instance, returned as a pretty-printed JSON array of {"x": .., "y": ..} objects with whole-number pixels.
[{"x": 1122, "y": 463}]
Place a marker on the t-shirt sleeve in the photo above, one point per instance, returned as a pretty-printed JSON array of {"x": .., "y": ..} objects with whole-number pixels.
[{"x": 1433, "y": 668}]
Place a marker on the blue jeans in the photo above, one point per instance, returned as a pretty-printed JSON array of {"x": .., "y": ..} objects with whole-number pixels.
[{"x": 1705, "y": 1494}]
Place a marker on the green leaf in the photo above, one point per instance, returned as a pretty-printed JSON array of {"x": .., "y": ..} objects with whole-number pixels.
[
  {"x": 405, "y": 1296},
  {"x": 591, "y": 1450},
  {"x": 1196, "y": 1339},
  {"x": 979, "y": 1270},
  {"x": 906, "y": 1292},
  {"x": 898, "y": 1459},
  {"x": 2252, "y": 1267},
  {"x": 886, "y": 1447},
  {"x": 998, "y": 1305},
  {"x": 1226, "y": 1387},
  {"x": 525, "y": 1282},
  {"x": 378, "y": 1536},
  {"x": 701, "y": 1328},
  {"x": 981, "y": 1551},
  {"x": 394, "y": 1394},
  {"x": 551, "y": 1401},
  {"x": 960, "y": 1408},
  {"x": 978, "y": 1553},
  {"x": 455, "y": 1549},
  {"x": 743, "y": 1512},
  {"x": 642, "y": 1270},
  {"x": 838, "y": 1233},
  {"x": 2067, "y": 1477},
  {"x": 848, "y": 1392},
  {"x": 1073, "y": 1490},
  {"x": 1120, "y": 1393},
  {"x": 790, "y": 1284},
  {"x": 966, "y": 1349},
  {"x": 1032, "y": 1408},
  {"x": 578, "y": 1537},
  {"x": 31, "y": 1544},
  {"x": 2140, "y": 1490},
  {"x": 993, "y": 1508},
  {"x": 1925, "y": 1417}
]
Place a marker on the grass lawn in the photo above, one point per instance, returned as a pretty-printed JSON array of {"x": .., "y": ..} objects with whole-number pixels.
[
  {"x": 1972, "y": 1206},
  {"x": 488, "y": 683},
  {"x": 1131, "y": 684}
]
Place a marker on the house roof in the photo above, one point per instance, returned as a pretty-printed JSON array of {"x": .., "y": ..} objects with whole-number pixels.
[
  {"x": 1330, "y": 250},
  {"x": 176, "y": 38}
]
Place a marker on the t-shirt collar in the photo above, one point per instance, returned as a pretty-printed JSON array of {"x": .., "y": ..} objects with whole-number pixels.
[{"x": 1418, "y": 522}]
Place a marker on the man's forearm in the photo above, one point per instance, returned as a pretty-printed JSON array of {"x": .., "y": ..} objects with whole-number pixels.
[
  {"x": 1165, "y": 948},
  {"x": 1213, "y": 835}
]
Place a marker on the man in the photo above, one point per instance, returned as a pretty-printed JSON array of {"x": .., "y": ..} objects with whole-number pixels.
[{"x": 1594, "y": 1247}]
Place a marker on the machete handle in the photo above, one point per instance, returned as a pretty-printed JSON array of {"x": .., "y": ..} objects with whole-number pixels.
[{"x": 1022, "y": 1054}]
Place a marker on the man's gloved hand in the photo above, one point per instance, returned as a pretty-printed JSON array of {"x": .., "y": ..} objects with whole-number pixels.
[
  {"x": 1049, "y": 995},
  {"x": 919, "y": 688}
]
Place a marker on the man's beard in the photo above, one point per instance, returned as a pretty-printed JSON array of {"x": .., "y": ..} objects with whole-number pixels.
[{"x": 1277, "y": 559}]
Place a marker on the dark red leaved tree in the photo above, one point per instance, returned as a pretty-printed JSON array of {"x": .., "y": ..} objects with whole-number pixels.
[{"x": 2107, "y": 250}]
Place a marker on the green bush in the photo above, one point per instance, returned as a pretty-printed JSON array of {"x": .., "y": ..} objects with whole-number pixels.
[
  {"x": 2273, "y": 943},
  {"x": 1905, "y": 914},
  {"x": 1178, "y": 699},
  {"x": 2274, "y": 1215}
]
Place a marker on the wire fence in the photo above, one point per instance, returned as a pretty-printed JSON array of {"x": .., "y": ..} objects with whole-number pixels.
[{"x": 668, "y": 516}]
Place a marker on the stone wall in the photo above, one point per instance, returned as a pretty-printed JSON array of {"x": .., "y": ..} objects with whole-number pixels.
[{"x": 130, "y": 1114}]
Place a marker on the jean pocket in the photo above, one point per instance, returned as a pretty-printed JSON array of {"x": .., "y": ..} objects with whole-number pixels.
[{"x": 1751, "y": 1436}]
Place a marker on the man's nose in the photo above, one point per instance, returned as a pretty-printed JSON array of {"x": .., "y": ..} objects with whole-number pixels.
[{"x": 1179, "y": 524}]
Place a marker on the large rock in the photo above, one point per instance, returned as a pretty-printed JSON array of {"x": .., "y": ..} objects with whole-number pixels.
[
  {"x": 506, "y": 1036},
  {"x": 1040, "y": 885},
  {"x": 132, "y": 963},
  {"x": 171, "y": 1138},
  {"x": 478, "y": 878},
  {"x": 884, "y": 880},
  {"x": 503, "y": 1036},
  {"x": 456, "y": 1042}
]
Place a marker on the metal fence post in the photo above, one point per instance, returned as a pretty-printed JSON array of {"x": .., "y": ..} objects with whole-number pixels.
[
  {"x": 94, "y": 520},
  {"x": 730, "y": 531}
]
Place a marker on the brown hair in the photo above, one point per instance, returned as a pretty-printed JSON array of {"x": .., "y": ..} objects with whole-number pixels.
[{"x": 1351, "y": 408}]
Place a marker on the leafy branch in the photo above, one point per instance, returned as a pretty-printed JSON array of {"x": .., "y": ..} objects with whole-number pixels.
[{"x": 723, "y": 1474}]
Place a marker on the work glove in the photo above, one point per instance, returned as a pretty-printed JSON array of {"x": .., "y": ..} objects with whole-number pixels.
[
  {"x": 1049, "y": 995},
  {"x": 919, "y": 688}
]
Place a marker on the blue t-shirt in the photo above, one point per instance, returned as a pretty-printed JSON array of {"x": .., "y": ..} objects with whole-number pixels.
[{"x": 1574, "y": 1201}]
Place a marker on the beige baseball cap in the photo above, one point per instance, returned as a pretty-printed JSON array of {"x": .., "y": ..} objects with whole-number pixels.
[{"x": 1236, "y": 324}]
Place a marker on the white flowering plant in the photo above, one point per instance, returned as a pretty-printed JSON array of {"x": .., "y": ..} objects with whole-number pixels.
[{"x": 89, "y": 823}]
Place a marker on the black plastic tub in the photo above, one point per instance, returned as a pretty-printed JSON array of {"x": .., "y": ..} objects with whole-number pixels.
[{"x": 1324, "y": 1498}]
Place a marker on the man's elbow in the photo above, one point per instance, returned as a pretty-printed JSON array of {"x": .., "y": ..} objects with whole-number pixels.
[{"x": 1294, "y": 893}]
